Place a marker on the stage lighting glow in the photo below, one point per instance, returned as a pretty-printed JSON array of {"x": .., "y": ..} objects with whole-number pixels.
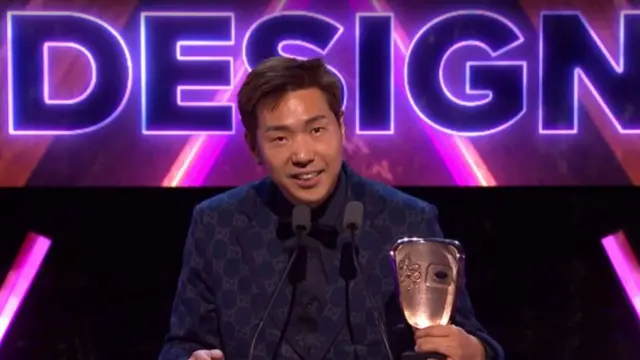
[
  {"x": 626, "y": 266},
  {"x": 21, "y": 275}
]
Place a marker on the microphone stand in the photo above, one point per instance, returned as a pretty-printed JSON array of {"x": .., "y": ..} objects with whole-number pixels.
[
  {"x": 353, "y": 220},
  {"x": 379, "y": 324},
  {"x": 301, "y": 224},
  {"x": 272, "y": 300}
]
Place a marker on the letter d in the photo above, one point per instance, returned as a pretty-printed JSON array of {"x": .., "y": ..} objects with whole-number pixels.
[{"x": 32, "y": 36}]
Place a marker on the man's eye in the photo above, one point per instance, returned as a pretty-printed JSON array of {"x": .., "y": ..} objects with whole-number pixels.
[
  {"x": 279, "y": 139},
  {"x": 317, "y": 130}
]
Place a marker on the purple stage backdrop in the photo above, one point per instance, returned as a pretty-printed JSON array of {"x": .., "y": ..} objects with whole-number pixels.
[{"x": 134, "y": 93}]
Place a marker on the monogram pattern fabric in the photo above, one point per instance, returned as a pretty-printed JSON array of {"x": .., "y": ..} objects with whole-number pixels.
[{"x": 233, "y": 261}]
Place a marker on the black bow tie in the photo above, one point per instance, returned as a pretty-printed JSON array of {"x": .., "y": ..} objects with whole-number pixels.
[{"x": 324, "y": 235}]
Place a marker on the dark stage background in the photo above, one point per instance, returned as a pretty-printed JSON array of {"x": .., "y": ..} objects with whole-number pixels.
[{"x": 539, "y": 277}]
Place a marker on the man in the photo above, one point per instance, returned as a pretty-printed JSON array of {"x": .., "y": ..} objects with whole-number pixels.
[{"x": 235, "y": 251}]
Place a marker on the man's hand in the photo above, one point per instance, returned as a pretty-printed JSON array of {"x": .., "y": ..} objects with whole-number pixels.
[
  {"x": 207, "y": 355},
  {"x": 449, "y": 340}
]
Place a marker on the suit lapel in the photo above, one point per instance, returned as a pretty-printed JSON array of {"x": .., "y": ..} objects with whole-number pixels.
[
  {"x": 267, "y": 259},
  {"x": 333, "y": 320},
  {"x": 374, "y": 233},
  {"x": 374, "y": 243}
]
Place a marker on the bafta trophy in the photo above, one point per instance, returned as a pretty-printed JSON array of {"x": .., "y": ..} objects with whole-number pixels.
[{"x": 428, "y": 273}]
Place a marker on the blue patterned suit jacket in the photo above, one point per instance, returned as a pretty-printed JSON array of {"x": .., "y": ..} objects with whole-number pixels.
[{"x": 233, "y": 261}]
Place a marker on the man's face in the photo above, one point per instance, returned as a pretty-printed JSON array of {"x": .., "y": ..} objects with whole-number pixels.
[{"x": 300, "y": 144}]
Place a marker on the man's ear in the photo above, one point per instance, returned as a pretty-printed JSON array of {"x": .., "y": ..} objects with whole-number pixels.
[
  {"x": 341, "y": 123},
  {"x": 251, "y": 143}
]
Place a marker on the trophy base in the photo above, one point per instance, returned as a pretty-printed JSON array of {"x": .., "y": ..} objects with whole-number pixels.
[{"x": 423, "y": 356}]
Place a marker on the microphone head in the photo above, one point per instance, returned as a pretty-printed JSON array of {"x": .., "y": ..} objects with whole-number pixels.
[
  {"x": 301, "y": 219},
  {"x": 353, "y": 215}
]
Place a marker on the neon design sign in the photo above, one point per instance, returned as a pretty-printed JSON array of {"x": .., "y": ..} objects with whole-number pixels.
[{"x": 188, "y": 65}]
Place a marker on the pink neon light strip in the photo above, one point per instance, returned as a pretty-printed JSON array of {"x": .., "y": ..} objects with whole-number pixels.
[
  {"x": 20, "y": 277},
  {"x": 626, "y": 266},
  {"x": 201, "y": 151}
]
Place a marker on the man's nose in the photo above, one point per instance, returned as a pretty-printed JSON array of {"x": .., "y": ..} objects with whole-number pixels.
[
  {"x": 302, "y": 159},
  {"x": 302, "y": 155}
]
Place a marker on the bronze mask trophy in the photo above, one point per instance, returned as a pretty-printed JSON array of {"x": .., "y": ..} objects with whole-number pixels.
[{"x": 428, "y": 273}]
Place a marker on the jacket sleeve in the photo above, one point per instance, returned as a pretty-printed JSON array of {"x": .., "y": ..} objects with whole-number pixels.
[
  {"x": 463, "y": 314},
  {"x": 194, "y": 322},
  {"x": 464, "y": 317}
]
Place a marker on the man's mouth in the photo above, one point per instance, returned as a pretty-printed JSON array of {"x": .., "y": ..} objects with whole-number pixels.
[{"x": 306, "y": 176}]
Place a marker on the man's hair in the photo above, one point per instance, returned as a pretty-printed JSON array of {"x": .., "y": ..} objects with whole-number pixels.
[{"x": 272, "y": 79}]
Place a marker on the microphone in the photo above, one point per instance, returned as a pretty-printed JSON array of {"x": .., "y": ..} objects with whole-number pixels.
[
  {"x": 353, "y": 214},
  {"x": 301, "y": 224}
]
